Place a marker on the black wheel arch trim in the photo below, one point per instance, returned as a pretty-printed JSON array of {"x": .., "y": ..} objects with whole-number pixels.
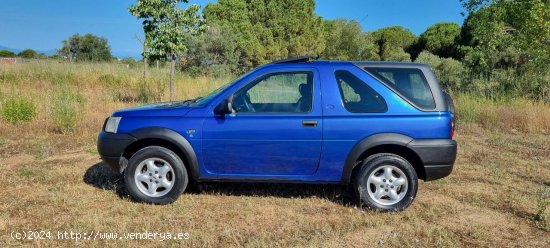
[
  {"x": 370, "y": 142},
  {"x": 175, "y": 138}
]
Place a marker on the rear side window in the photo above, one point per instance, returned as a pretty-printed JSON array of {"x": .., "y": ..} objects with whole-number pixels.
[
  {"x": 408, "y": 82},
  {"x": 357, "y": 96}
]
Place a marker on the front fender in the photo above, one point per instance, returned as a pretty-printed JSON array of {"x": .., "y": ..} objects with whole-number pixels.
[{"x": 174, "y": 138}]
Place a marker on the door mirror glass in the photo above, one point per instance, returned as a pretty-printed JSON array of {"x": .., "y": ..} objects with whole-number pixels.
[{"x": 224, "y": 107}]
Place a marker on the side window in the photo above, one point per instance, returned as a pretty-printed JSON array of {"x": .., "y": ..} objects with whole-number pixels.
[
  {"x": 357, "y": 96},
  {"x": 408, "y": 82},
  {"x": 284, "y": 92}
]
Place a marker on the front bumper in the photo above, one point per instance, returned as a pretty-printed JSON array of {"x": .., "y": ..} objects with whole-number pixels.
[
  {"x": 111, "y": 147},
  {"x": 438, "y": 156}
]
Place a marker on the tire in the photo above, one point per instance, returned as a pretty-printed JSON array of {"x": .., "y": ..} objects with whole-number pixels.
[
  {"x": 155, "y": 175},
  {"x": 386, "y": 182}
]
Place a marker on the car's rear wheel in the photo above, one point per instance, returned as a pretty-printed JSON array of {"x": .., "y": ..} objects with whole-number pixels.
[
  {"x": 386, "y": 182},
  {"x": 155, "y": 175}
]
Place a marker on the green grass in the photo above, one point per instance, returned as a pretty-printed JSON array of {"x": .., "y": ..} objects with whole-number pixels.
[
  {"x": 67, "y": 108},
  {"x": 15, "y": 110}
]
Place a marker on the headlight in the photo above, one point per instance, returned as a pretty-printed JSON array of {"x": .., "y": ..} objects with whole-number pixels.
[{"x": 111, "y": 125}]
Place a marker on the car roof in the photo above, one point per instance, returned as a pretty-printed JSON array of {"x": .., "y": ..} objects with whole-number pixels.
[
  {"x": 301, "y": 60},
  {"x": 390, "y": 64}
]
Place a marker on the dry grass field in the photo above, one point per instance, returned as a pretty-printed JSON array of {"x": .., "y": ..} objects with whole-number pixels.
[{"x": 51, "y": 178}]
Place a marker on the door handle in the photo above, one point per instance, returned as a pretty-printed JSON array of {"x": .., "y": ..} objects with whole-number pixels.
[{"x": 309, "y": 123}]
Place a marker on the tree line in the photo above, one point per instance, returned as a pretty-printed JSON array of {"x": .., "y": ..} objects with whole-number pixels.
[
  {"x": 78, "y": 47},
  {"x": 501, "y": 49},
  {"x": 25, "y": 54}
]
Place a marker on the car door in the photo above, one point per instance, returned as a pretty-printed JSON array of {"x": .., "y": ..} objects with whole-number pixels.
[{"x": 276, "y": 128}]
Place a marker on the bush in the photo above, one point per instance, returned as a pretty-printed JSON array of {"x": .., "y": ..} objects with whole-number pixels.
[
  {"x": 16, "y": 110},
  {"x": 428, "y": 58},
  {"x": 399, "y": 55},
  {"x": 144, "y": 92},
  {"x": 151, "y": 91},
  {"x": 450, "y": 72},
  {"x": 535, "y": 83},
  {"x": 129, "y": 62},
  {"x": 67, "y": 109}
]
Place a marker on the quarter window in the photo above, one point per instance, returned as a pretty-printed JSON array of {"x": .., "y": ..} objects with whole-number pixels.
[
  {"x": 357, "y": 96},
  {"x": 408, "y": 82}
]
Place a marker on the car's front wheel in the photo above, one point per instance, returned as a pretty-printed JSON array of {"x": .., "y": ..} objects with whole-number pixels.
[
  {"x": 155, "y": 175},
  {"x": 386, "y": 182}
]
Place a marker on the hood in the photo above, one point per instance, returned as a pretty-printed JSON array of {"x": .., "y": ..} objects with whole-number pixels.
[{"x": 157, "y": 109}]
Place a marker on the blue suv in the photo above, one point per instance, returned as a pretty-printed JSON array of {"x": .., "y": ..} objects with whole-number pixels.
[{"x": 377, "y": 126}]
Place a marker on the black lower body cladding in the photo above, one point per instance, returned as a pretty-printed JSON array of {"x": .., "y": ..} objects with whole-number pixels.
[
  {"x": 111, "y": 147},
  {"x": 438, "y": 156}
]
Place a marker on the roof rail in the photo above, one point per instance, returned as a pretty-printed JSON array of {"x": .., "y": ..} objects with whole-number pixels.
[{"x": 298, "y": 59}]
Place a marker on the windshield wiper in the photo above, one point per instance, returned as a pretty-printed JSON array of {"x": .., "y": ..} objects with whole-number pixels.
[{"x": 194, "y": 100}]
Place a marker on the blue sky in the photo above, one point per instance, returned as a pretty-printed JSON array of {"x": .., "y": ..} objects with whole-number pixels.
[{"x": 42, "y": 25}]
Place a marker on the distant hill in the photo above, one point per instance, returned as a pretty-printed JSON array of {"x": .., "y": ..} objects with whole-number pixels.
[{"x": 18, "y": 50}]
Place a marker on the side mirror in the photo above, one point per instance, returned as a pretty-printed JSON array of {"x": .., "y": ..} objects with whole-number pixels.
[{"x": 224, "y": 107}]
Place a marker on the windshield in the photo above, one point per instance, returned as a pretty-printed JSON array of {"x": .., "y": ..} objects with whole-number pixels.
[{"x": 203, "y": 101}]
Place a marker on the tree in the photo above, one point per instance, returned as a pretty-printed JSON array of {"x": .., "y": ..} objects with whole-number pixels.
[
  {"x": 87, "y": 47},
  {"x": 27, "y": 54},
  {"x": 530, "y": 20},
  {"x": 214, "y": 52},
  {"x": 441, "y": 39},
  {"x": 6, "y": 53},
  {"x": 268, "y": 30},
  {"x": 393, "y": 42},
  {"x": 55, "y": 56},
  {"x": 129, "y": 61},
  {"x": 473, "y": 5},
  {"x": 346, "y": 41},
  {"x": 165, "y": 26},
  {"x": 506, "y": 34},
  {"x": 143, "y": 54},
  {"x": 484, "y": 39},
  {"x": 41, "y": 56}
]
